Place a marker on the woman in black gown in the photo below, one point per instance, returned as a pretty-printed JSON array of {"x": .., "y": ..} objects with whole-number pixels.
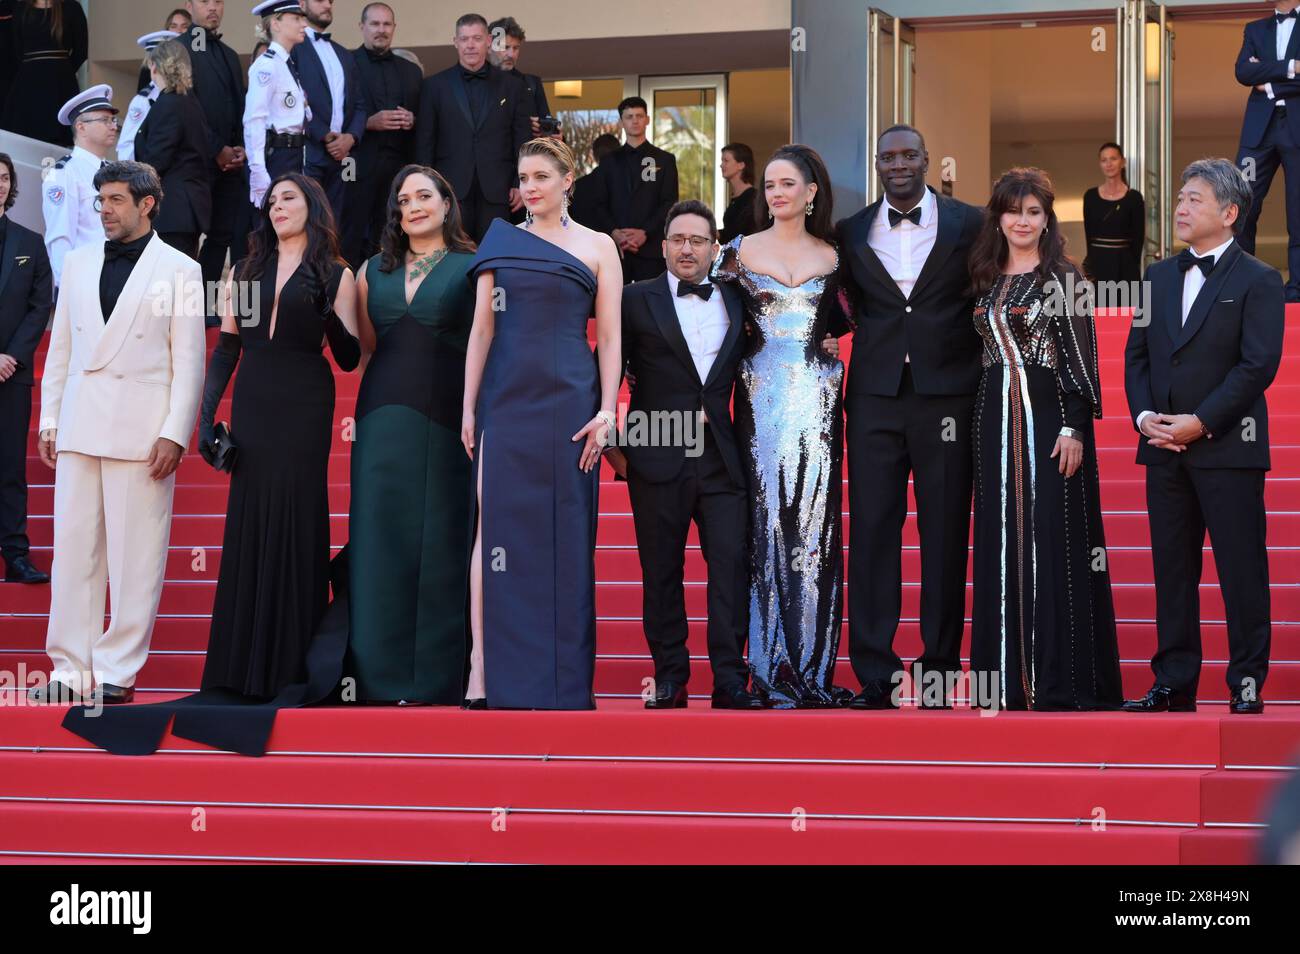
[
  {"x": 737, "y": 167},
  {"x": 49, "y": 41},
  {"x": 273, "y": 585},
  {"x": 538, "y": 408},
  {"x": 1114, "y": 223},
  {"x": 1042, "y": 620}
]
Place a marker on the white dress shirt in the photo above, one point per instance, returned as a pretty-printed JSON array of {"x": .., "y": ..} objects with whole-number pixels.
[
  {"x": 1193, "y": 282},
  {"x": 333, "y": 73},
  {"x": 904, "y": 248},
  {"x": 704, "y": 324},
  {"x": 1284, "y": 30},
  {"x": 68, "y": 204}
]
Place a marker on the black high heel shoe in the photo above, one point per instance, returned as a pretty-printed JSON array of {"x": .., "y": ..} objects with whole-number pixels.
[{"x": 474, "y": 703}]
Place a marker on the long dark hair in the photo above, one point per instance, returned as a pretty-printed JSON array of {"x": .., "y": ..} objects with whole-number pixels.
[
  {"x": 989, "y": 253},
  {"x": 395, "y": 243},
  {"x": 810, "y": 165},
  {"x": 54, "y": 14},
  {"x": 322, "y": 252},
  {"x": 1123, "y": 173}
]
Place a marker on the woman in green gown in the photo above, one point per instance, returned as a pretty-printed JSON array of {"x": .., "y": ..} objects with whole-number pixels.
[{"x": 408, "y": 553}]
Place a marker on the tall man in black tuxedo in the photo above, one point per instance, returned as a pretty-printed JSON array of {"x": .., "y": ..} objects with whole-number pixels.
[
  {"x": 390, "y": 90},
  {"x": 473, "y": 118},
  {"x": 26, "y": 294},
  {"x": 683, "y": 338},
  {"x": 633, "y": 189},
  {"x": 328, "y": 74},
  {"x": 1195, "y": 374},
  {"x": 908, "y": 405},
  {"x": 1270, "y": 130},
  {"x": 219, "y": 86}
]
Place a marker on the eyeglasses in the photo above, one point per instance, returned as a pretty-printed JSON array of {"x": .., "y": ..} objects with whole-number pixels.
[
  {"x": 116, "y": 201},
  {"x": 698, "y": 242},
  {"x": 111, "y": 120}
]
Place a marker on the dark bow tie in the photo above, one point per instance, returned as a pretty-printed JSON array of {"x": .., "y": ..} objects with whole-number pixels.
[
  {"x": 116, "y": 250},
  {"x": 686, "y": 288},
  {"x": 895, "y": 216},
  {"x": 1283, "y": 17},
  {"x": 474, "y": 74},
  {"x": 322, "y": 36},
  {"x": 214, "y": 35},
  {"x": 1187, "y": 258}
]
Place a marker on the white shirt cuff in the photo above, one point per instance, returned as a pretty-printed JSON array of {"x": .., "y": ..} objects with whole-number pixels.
[
  {"x": 1290, "y": 69},
  {"x": 1268, "y": 91},
  {"x": 1141, "y": 416}
]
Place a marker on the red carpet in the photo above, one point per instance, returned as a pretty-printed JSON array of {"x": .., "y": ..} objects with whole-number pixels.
[{"x": 624, "y": 786}]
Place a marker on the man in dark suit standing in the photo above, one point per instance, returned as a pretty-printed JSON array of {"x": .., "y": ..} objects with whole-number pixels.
[
  {"x": 220, "y": 89},
  {"x": 390, "y": 91},
  {"x": 26, "y": 293},
  {"x": 506, "y": 38},
  {"x": 473, "y": 119},
  {"x": 683, "y": 339},
  {"x": 1270, "y": 130},
  {"x": 338, "y": 115},
  {"x": 908, "y": 403},
  {"x": 1195, "y": 372},
  {"x": 634, "y": 188}
]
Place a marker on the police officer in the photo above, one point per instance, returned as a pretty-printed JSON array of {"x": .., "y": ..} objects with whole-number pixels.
[
  {"x": 275, "y": 110},
  {"x": 68, "y": 193},
  {"x": 141, "y": 101}
]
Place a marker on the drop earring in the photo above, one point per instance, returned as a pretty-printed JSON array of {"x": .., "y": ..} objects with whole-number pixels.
[
  {"x": 528, "y": 218},
  {"x": 807, "y": 209},
  {"x": 564, "y": 210}
]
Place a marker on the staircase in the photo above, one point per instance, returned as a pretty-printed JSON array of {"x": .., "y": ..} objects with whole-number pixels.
[{"x": 622, "y": 785}]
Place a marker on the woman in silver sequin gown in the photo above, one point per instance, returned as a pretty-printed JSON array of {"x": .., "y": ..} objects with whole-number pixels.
[
  {"x": 790, "y": 431},
  {"x": 1043, "y": 621}
]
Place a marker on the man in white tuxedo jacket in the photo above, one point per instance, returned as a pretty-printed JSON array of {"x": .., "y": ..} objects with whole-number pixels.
[{"x": 119, "y": 398}]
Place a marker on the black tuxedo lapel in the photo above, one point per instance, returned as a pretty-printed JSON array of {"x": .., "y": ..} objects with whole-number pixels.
[
  {"x": 736, "y": 314},
  {"x": 1207, "y": 295},
  {"x": 8, "y": 249},
  {"x": 945, "y": 240},
  {"x": 660, "y": 301},
  {"x": 462, "y": 97},
  {"x": 498, "y": 95},
  {"x": 1173, "y": 302},
  {"x": 862, "y": 248}
]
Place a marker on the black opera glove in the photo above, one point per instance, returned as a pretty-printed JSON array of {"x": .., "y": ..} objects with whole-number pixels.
[
  {"x": 220, "y": 368},
  {"x": 344, "y": 345}
]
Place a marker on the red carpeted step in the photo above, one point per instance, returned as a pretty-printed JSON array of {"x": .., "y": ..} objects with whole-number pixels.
[{"x": 1239, "y": 797}]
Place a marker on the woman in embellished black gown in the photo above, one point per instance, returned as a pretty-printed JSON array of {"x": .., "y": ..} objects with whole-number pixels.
[
  {"x": 1043, "y": 622},
  {"x": 789, "y": 427}
]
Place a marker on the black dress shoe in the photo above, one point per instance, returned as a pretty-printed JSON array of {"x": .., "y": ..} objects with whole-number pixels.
[
  {"x": 737, "y": 697},
  {"x": 52, "y": 693},
  {"x": 20, "y": 570},
  {"x": 1241, "y": 706},
  {"x": 874, "y": 695},
  {"x": 1162, "y": 699},
  {"x": 480, "y": 703},
  {"x": 668, "y": 695},
  {"x": 110, "y": 695}
]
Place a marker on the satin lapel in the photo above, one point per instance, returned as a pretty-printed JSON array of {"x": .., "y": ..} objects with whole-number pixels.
[
  {"x": 862, "y": 248},
  {"x": 462, "y": 98},
  {"x": 127, "y": 307},
  {"x": 665, "y": 316},
  {"x": 1207, "y": 295},
  {"x": 494, "y": 99},
  {"x": 949, "y": 231},
  {"x": 735, "y": 312},
  {"x": 1173, "y": 301},
  {"x": 8, "y": 249},
  {"x": 309, "y": 60}
]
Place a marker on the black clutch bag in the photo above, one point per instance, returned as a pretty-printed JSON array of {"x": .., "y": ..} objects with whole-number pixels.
[{"x": 226, "y": 450}]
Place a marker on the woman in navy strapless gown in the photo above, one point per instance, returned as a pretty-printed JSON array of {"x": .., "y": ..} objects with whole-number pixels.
[{"x": 538, "y": 406}]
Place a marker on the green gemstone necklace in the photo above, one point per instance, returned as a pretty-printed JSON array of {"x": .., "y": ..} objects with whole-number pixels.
[{"x": 422, "y": 266}]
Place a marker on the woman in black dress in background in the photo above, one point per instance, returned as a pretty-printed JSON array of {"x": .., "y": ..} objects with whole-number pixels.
[
  {"x": 273, "y": 585},
  {"x": 1042, "y": 619},
  {"x": 48, "y": 43},
  {"x": 408, "y": 533},
  {"x": 737, "y": 167},
  {"x": 174, "y": 140},
  {"x": 1114, "y": 222}
]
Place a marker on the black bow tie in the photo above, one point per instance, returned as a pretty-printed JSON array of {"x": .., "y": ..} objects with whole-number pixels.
[
  {"x": 1283, "y": 17},
  {"x": 322, "y": 36},
  {"x": 895, "y": 216},
  {"x": 474, "y": 74},
  {"x": 116, "y": 250},
  {"x": 1187, "y": 258},
  {"x": 213, "y": 34},
  {"x": 686, "y": 288}
]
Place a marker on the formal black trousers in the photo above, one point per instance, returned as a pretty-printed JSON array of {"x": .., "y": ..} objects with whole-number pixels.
[
  {"x": 702, "y": 491},
  {"x": 330, "y": 176},
  {"x": 1182, "y": 504},
  {"x": 228, "y": 229},
  {"x": 928, "y": 436},
  {"x": 15, "y": 420},
  {"x": 477, "y": 213},
  {"x": 1277, "y": 148},
  {"x": 366, "y": 208}
]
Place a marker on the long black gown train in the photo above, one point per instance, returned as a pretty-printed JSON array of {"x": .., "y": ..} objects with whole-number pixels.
[
  {"x": 1043, "y": 621},
  {"x": 540, "y": 386}
]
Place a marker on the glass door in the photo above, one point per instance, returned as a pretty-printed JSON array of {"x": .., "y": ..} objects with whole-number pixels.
[
  {"x": 688, "y": 117},
  {"x": 891, "y": 76},
  {"x": 1144, "y": 113}
]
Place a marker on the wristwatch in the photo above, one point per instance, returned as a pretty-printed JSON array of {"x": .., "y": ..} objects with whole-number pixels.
[{"x": 1071, "y": 433}]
